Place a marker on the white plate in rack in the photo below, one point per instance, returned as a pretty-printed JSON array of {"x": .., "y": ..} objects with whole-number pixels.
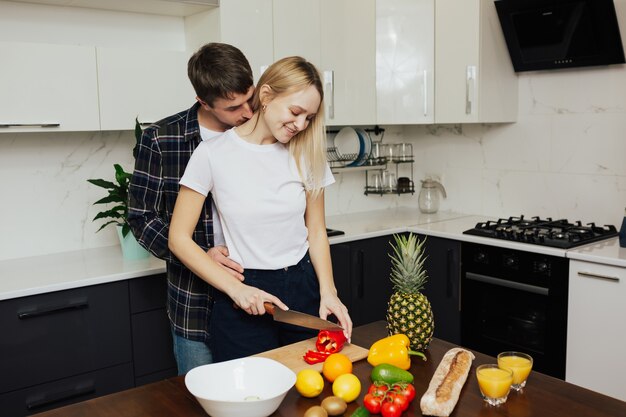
[{"x": 348, "y": 145}]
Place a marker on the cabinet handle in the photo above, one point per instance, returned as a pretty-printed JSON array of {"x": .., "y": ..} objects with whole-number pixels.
[
  {"x": 360, "y": 289},
  {"x": 30, "y": 125},
  {"x": 470, "y": 88},
  {"x": 56, "y": 397},
  {"x": 329, "y": 93},
  {"x": 425, "y": 93},
  {"x": 598, "y": 276},
  {"x": 44, "y": 311},
  {"x": 508, "y": 284},
  {"x": 449, "y": 283}
]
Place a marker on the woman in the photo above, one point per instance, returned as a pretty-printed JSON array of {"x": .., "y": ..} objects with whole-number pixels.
[{"x": 266, "y": 178}]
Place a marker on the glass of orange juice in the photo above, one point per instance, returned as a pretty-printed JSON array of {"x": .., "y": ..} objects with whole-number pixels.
[
  {"x": 518, "y": 362},
  {"x": 494, "y": 383}
]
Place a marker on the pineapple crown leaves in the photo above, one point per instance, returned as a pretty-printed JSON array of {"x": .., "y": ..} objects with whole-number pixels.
[{"x": 407, "y": 264}]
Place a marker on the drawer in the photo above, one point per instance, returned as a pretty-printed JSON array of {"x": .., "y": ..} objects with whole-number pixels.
[
  {"x": 152, "y": 342},
  {"x": 148, "y": 293},
  {"x": 52, "y": 336},
  {"x": 55, "y": 394}
]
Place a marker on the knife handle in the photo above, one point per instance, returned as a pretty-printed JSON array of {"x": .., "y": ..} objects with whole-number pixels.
[{"x": 269, "y": 307}]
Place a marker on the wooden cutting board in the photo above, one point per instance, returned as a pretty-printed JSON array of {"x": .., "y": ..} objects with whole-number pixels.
[{"x": 291, "y": 355}]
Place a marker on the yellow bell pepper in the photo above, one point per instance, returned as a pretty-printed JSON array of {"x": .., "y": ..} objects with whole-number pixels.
[{"x": 393, "y": 350}]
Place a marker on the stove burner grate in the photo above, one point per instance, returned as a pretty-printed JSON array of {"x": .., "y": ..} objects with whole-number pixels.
[{"x": 547, "y": 232}]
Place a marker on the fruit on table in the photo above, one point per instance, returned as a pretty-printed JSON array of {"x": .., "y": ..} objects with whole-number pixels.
[
  {"x": 347, "y": 386},
  {"x": 389, "y": 399},
  {"x": 316, "y": 411},
  {"x": 309, "y": 383},
  {"x": 334, "y": 406},
  {"x": 336, "y": 364},
  {"x": 393, "y": 350},
  {"x": 386, "y": 372},
  {"x": 409, "y": 311}
]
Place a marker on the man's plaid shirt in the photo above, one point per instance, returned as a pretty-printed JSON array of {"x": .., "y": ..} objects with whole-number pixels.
[{"x": 162, "y": 156}]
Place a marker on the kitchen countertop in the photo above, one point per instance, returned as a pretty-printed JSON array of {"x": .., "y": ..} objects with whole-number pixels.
[
  {"x": 543, "y": 396},
  {"x": 606, "y": 252},
  {"x": 61, "y": 271}
]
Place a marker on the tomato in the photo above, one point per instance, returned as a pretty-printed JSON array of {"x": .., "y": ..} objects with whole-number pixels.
[
  {"x": 390, "y": 409},
  {"x": 401, "y": 401},
  {"x": 372, "y": 403},
  {"x": 377, "y": 390},
  {"x": 408, "y": 391}
]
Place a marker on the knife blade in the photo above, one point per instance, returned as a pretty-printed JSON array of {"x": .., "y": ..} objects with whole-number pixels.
[{"x": 300, "y": 319}]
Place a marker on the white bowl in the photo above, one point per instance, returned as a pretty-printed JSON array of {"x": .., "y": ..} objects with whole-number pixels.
[{"x": 247, "y": 387}]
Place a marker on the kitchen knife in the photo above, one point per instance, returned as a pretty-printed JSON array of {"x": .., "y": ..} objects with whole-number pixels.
[{"x": 300, "y": 319}]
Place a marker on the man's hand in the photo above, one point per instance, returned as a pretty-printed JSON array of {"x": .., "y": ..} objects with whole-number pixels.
[{"x": 220, "y": 255}]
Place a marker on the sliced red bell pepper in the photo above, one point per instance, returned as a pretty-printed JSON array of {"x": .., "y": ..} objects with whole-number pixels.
[
  {"x": 330, "y": 341},
  {"x": 312, "y": 357}
]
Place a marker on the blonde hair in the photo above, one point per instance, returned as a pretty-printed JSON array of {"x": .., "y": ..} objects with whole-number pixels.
[{"x": 291, "y": 74}]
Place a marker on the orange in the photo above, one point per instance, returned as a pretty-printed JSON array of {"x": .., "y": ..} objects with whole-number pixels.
[{"x": 335, "y": 365}]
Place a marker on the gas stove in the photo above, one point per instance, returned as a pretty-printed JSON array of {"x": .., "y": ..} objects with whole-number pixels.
[{"x": 546, "y": 232}]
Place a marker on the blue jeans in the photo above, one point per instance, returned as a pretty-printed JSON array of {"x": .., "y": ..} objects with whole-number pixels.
[
  {"x": 190, "y": 353},
  {"x": 235, "y": 333}
]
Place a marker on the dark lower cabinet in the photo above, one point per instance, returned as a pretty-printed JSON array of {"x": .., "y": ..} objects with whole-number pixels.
[
  {"x": 153, "y": 355},
  {"x": 64, "y": 347},
  {"x": 42, "y": 397},
  {"x": 443, "y": 286},
  {"x": 361, "y": 270},
  {"x": 68, "y": 346}
]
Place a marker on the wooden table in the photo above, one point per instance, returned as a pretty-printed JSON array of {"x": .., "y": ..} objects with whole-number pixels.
[{"x": 544, "y": 396}]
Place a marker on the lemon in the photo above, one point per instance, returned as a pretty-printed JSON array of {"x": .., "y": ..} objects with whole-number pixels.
[
  {"x": 347, "y": 386},
  {"x": 309, "y": 383}
]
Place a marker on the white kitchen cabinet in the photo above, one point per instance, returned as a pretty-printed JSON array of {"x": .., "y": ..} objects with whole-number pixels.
[
  {"x": 474, "y": 77},
  {"x": 339, "y": 38},
  {"x": 46, "y": 87},
  {"x": 246, "y": 24},
  {"x": 348, "y": 30},
  {"x": 595, "y": 329},
  {"x": 147, "y": 84},
  {"x": 405, "y": 61}
]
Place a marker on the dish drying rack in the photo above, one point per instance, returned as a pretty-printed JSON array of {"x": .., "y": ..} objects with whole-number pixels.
[{"x": 339, "y": 162}]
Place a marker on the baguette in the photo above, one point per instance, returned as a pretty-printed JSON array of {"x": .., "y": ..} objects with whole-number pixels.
[{"x": 446, "y": 384}]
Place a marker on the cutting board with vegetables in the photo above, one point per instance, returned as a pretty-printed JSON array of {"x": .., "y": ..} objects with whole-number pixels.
[{"x": 291, "y": 355}]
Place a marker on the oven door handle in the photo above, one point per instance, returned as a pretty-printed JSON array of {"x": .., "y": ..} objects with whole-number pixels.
[{"x": 509, "y": 284}]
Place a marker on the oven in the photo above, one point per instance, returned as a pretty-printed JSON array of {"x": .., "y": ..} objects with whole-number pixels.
[{"x": 515, "y": 300}]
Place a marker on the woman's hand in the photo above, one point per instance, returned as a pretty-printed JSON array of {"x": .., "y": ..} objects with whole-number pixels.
[
  {"x": 331, "y": 304},
  {"x": 251, "y": 299}
]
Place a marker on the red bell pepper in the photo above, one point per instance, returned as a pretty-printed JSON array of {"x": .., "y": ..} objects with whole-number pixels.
[
  {"x": 327, "y": 343},
  {"x": 312, "y": 357},
  {"x": 330, "y": 341}
]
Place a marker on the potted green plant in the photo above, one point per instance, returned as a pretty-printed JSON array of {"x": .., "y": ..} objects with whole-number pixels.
[{"x": 118, "y": 214}]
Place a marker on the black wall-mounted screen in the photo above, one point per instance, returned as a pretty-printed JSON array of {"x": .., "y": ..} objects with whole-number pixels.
[{"x": 549, "y": 34}]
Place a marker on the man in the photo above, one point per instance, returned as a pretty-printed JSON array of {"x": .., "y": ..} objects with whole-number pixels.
[{"x": 223, "y": 82}]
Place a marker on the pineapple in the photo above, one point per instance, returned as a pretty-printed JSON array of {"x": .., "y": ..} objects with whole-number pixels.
[{"x": 409, "y": 311}]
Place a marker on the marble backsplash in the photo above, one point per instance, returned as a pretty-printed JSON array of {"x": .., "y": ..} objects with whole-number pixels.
[{"x": 565, "y": 157}]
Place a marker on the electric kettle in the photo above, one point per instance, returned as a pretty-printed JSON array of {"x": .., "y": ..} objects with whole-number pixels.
[{"x": 429, "y": 195}]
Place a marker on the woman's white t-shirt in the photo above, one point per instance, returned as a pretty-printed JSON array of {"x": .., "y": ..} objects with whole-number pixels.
[{"x": 259, "y": 196}]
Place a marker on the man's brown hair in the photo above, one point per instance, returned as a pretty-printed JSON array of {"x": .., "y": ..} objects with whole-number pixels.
[{"x": 219, "y": 70}]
